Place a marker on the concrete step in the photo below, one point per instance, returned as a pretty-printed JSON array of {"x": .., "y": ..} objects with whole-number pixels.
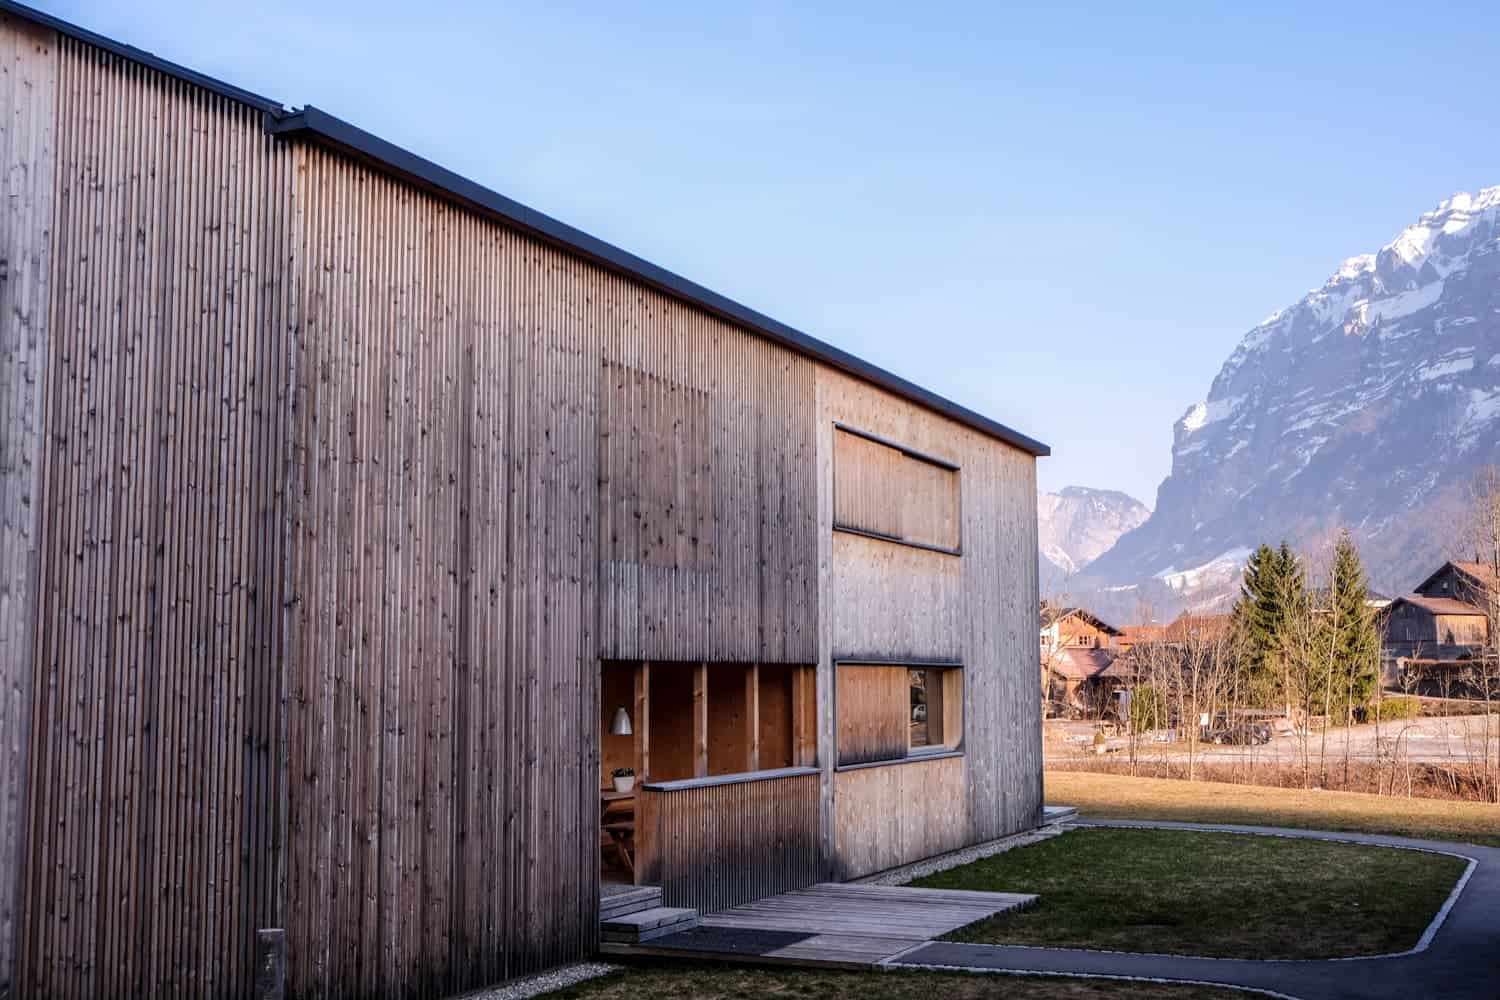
[
  {"x": 646, "y": 925},
  {"x": 617, "y": 904},
  {"x": 1058, "y": 814}
]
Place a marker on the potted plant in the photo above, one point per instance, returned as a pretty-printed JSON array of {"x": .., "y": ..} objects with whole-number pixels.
[
  {"x": 1098, "y": 741},
  {"x": 624, "y": 778}
]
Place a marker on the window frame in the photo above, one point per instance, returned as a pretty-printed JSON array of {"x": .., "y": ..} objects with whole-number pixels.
[{"x": 913, "y": 754}]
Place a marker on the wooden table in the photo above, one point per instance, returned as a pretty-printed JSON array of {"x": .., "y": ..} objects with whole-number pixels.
[{"x": 621, "y": 830}]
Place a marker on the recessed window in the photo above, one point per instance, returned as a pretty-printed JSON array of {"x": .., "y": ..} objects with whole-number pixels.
[
  {"x": 889, "y": 712},
  {"x": 884, "y": 490}
]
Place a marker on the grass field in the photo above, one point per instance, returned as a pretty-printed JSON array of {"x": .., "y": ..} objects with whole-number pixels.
[
  {"x": 1122, "y": 797},
  {"x": 1218, "y": 894},
  {"x": 681, "y": 981}
]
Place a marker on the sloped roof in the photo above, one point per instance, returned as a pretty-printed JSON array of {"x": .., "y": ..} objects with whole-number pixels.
[
  {"x": 1440, "y": 605},
  {"x": 1080, "y": 662},
  {"x": 1051, "y": 615},
  {"x": 318, "y": 126},
  {"x": 1479, "y": 574}
]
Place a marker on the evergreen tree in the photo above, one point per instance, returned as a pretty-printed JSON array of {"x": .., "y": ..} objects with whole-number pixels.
[
  {"x": 1272, "y": 591},
  {"x": 1356, "y": 642}
]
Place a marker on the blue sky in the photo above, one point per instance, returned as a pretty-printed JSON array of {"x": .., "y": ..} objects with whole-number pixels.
[{"x": 1064, "y": 216}]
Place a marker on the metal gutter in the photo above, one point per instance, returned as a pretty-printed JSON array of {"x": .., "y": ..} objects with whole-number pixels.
[{"x": 311, "y": 123}]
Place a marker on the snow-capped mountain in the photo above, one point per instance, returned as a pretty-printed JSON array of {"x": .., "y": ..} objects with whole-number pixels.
[
  {"x": 1078, "y": 524},
  {"x": 1370, "y": 403}
]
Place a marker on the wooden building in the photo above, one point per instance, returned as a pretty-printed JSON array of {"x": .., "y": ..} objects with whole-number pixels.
[{"x": 343, "y": 505}]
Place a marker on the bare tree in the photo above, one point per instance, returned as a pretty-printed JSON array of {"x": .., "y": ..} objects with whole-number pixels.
[{"x": 1479, "y": 541}]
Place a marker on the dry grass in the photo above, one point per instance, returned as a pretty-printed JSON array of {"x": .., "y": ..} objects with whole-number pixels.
[
  {"x": 1219, "y": 894},
  {"x": 706, "y": 981},
  {"x": 1122, "y": 797}
]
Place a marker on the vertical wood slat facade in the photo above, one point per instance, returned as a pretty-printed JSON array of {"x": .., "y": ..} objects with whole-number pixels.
[
  {"x": 713, "y": 846},
  {"x": 28, "y": 93},
  {"x": 151, "y": 854},
  {"x": 346, "y": 491}
]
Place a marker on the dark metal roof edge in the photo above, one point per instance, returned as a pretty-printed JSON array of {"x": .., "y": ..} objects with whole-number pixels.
[
  {"x": 310, "y": 121},
  {"x": 141, "y": 56},
  {"x": 402, "y": 161}
]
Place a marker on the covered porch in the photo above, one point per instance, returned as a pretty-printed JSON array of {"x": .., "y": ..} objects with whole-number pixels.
[{"x": 723, "y": 803}]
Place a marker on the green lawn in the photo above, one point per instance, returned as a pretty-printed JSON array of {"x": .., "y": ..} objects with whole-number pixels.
[
  {"x": 1122, "y": 797},
  {"x": 1216, "y": 894},
  {"x": 685, "y": 981}
]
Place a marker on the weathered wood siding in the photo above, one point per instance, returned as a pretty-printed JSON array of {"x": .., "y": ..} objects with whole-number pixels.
[
  {"x": 28, "y": 97},
  {"x": 152, "y": 841},
  {"x": 884, "y": 600},
  {"x": 880, "y": 489},
  {"x": 707, "y": 487},
  {"x": 713, "y": 846},
  {"x": 342, "y": 492},
  {"x": 896, "y": 814}
]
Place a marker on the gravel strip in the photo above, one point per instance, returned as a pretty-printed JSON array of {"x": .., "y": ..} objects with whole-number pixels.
[
  {"x": 963, "y": 856},
  {"x": 546, "y": 982}
]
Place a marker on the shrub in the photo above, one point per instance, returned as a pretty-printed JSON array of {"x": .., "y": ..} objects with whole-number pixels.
[
  {"x": 1148, "y": 709},
  {"x": 1396, "y": 709}
]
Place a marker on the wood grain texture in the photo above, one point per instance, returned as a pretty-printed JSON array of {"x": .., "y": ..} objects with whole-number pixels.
[
  {"x": 707, "y": 492},
  {"x": 872, "y": 713},
  {"x": 343, "y": 493},
  {"x": 722, "y": 845},
  {"x": 153, "y": 850},
  {"x": 28, "y": 95},
  {"x": 899, "y": 813},
  {"x": 889, "y": 601}
]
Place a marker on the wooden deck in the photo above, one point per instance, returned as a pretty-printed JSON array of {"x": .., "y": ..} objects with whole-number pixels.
[{"x": 830, "y": 924}]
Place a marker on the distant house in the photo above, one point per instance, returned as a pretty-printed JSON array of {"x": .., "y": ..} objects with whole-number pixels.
[
  {"x": 1081, "y": 661},
  {"x": 1441, "y": 627}
]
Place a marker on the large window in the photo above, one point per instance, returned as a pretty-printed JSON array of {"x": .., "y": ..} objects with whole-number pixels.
[
  {"x": 888, "y": 491},
  {"x": 895, "y": 711}
]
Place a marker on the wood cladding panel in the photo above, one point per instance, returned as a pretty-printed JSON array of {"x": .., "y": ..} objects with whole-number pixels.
[
  {"x": 900, "y": 813},
  {"x": 896, "y": 602},
  {"x": 707, "y": 492},
  {"x": 886, "y": 600},
  {"x": 872, "y": 713},
  {"x": 718, "y": 846},
  {"x": 444, "y": 666},
  {"x": 28, "y": 93},
  {"x": 880, "y": 489},
  {"x": 153, "y": 842}
]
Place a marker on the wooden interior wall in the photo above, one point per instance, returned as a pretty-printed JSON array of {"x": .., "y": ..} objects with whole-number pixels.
[
  {"x": 881, "y": 489},
  {"x": 777, "y": 739},
  {"x": 616, "y": 690},
  {"x": 898, "y": 814},
  {"x": 890, "y": 601},
  {"x": 719, "y": 845},
  {"x": 28, "y": 94},
  {"x": 872, "y": 713},
  {"x": 153, "y": 840},
  {"x": 671, "y": 721},
  {"x": 728, "y": 747},
  {"x": 707, "y": 489}
]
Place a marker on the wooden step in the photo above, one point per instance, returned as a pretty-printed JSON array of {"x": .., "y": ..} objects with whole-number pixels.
[
  {"x": 616, "y": 904},
  {"x": 647, "y": 925}
]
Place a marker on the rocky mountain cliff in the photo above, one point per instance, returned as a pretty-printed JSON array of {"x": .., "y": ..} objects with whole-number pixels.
[
  {"x": 1077, "y": 525},
  {"x": 1370, "y": 403}
]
